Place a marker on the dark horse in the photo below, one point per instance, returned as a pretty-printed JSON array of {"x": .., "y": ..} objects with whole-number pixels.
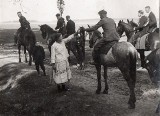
[
  {"x": 153, "y": 68},
  {"x": 152, "y": 60},
  {"x": 122, "y": 55},
  {"x": 153, "y": 38},
  {"x": 77, "y": 44},
  {"x": 28, "y": 40}
]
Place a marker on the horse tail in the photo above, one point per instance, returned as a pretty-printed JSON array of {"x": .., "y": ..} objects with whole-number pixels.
[{"x": 133, "y": 60}]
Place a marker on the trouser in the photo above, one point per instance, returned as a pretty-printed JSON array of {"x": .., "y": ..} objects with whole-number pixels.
[
  {"x": 102, "y": 47},
  {"x": 40, "y": 64}
]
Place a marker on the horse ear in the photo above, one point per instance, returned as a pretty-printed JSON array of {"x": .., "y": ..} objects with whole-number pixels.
[
  {"x": 89, "y": 26},
  {"x": 122, "y": 20},
  {"x": 128, "y": 20},
  {"x": 132, "y": 19}
]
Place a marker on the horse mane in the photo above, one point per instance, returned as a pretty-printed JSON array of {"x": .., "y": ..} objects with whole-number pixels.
[
  {"x": 49, "y": 29},
  {"x": 128, "y": 26},
  {"x": 98, "y": 33}
]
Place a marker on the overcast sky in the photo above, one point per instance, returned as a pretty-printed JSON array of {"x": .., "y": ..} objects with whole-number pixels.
[{"x": 45, "y": 10}]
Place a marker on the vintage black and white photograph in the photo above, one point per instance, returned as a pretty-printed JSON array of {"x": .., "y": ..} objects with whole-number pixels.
[{"x": 79, "y": 58}]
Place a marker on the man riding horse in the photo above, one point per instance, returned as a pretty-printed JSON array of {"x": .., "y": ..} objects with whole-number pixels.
[
  {"x": 60, "y": 24},
  {"x": 110, "y": 35},
  {"x": 24, "y": 24},
  {"x": 152, "y": 19},
  {"x": 142, "y": 30}
]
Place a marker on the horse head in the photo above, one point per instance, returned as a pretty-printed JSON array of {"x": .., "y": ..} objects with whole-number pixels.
[
  {"x": 125, "y": 27},
  {"x": 46, "y": 30},
  {"x": 120, "y": 28},
  {"x": 132, "y": 23},
  {"x": 80, "y": 37}
]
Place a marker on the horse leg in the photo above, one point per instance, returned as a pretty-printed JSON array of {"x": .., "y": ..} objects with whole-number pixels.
[
  {"x": 76, "y": 55},
  {"x": 30, "y": 59},
  {"x": 158, "y": 108},
  {"x": 43, "y": 68},
  {"x": 25, "y": 54},
  {"x": 37, "y": 68},
  {"x": 19, "y": 52},
  {"x": 98, "y": 68},
  {"x": 49, "y": 47},
  {"x": 105, "y": 80},
  {"x": 142, "y": 56},
  {"x": 131, "y": 85}
]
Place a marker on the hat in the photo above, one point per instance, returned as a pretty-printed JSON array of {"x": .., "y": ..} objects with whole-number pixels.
[
  {"x": 58, "y": 15},
  {"x": 18, "y": 12},
  {"x": 140, "y": 11},
  {"x": 67, "y": 16},
  {"x": 102, "y": 12}
]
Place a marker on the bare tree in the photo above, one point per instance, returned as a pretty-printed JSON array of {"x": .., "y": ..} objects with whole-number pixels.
[
  {"x": 20, "y": 2},
  {"x": 60, "y": 6}
]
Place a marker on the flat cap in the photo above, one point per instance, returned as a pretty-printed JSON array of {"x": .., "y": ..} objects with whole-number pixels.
[{"x": 102, "y": 12}]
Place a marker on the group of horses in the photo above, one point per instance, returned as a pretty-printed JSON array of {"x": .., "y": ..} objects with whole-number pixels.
[{"x": 122, "y": 54}]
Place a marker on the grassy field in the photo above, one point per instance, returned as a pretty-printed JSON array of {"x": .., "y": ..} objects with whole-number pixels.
[{"x": 23, "y": 92}]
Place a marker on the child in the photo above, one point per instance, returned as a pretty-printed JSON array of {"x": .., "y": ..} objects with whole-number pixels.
[
  {"x": 38, "y": 57},
  {"x": 59, "y": 60}
]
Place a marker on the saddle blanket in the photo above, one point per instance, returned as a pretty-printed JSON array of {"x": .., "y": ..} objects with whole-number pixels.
[{"x": 141, "y": 42}]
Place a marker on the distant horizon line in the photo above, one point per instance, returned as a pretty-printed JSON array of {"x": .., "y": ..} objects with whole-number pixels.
[{"x": 16, "y": 21}]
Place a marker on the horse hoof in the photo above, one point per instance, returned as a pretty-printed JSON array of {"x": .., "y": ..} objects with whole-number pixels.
[
  {"x": 105, "y": 92},
  {"x": 98, "y": 92},
  {"x": 19, "y": 61},
  {"x": 131, "y": 106}
]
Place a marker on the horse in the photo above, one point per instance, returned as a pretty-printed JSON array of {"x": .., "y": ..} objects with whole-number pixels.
[
  {"x": 49, "y": 34},
  {"x": 26, "y": 39},
  {"x": 77, "y": 44},
  {"x": 152, "y": 40},
  {"x": 122, "y": 55},
  {"x": 153, "y": 68}
]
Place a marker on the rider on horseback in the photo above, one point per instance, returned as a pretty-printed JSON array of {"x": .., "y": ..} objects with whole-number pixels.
[
  {"x": 60, "y": 24},
  {"x": 24, "y": 24},
  {"x": 152, "y": 19},
  {"x": 142, "y": 29},
  {"x": 110, "y": 35}
]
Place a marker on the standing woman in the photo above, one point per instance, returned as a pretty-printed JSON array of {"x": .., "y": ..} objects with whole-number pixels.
[{"x": 59, "y": 60}]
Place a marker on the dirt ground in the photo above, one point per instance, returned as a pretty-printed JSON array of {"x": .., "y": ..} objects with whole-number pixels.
[{"x": 23, "y": 92}]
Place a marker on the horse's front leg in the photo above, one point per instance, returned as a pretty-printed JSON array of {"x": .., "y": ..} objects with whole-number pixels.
[
  {"x": 98, "y": 68},
  {"x": 30, "y": 59},
  {"x": 19, "y": 52},
  {"x": 25, "y": 54},
  {"x": 158, "y": 108},
  {"x": 105, "y": 80},
  {"x": 74, "y": 51}
]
